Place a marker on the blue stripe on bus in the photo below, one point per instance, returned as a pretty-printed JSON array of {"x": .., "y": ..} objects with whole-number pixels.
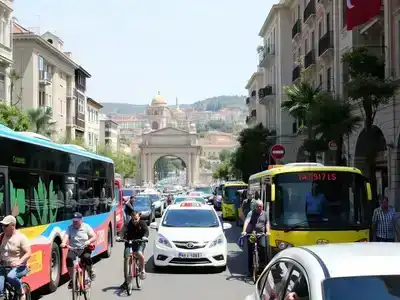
[{"x": 8, "y": 133}]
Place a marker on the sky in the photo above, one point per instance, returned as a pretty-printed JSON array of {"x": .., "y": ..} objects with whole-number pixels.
[{"x": 192, "y": 49}]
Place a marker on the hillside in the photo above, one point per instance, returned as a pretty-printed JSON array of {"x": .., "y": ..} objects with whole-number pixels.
[{"x": 214, "y": 104}]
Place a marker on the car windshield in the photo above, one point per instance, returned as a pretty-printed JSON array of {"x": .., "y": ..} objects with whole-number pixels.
[
  {"x": 128, "y": 192},
  {"x": 142, "y": 202},
  {"x": 205, "y": 189},
  {"x": 365, "y": 287},
  {"x": 181, "y": 199},
  {"x": 190, "y": 218},
  {"x": 320, "y": 200},
  {"x": 154, "y": 198},
  {"x": 231, "y": 192}
]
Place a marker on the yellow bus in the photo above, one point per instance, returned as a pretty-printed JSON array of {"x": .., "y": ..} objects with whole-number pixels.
[
  {"x": 309, "y": 203},
  {"x": 230, "y": 201}
]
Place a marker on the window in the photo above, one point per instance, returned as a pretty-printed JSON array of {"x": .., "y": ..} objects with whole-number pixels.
[
  {"x": 328, "y": 22},
  {"x": 298, "y": 12},
  {"x": 320, "y": 79},
  {"x": 299, "y": 53},
  {"x": 41, "y": 63},
  {"x": 271, "y": 284},
  {"x": 81, "y": 106},
  {"x": 42, "y": 99},
  {"x": 190, "y": 218},
  {"x": 2, "y": 87},
  {"x": 312, "y": 40},
  {"x": 297, "y": 283},
  {"x": 305, "y": 45},
  {"x": 328, "y": 80},
  {"x": 320, "y": 34}
]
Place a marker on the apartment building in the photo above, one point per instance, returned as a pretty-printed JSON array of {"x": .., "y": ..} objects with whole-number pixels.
[
  {"x": 109, "y": 137},
  {"x": 46, "y": 75},
  {"x": 93, "y": 124},
  {"x": 255, "y": 83},
  {"x": 6, "y": 53}
]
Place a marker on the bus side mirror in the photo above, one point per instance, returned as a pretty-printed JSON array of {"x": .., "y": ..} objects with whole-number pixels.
[
  {"x": 272, "y": 192},
  {"x": 369, "y": 191}
]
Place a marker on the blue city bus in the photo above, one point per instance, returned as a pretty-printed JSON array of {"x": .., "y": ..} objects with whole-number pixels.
[{"x": 43, "y": 184}]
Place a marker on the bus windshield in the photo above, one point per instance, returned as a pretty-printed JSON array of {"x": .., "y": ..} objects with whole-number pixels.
[
  {"x": 320, "y": 200},
  {"x": 231, "y": 192}
]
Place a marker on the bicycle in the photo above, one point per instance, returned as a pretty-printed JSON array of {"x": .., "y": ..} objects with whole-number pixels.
[
  {"x": 133, "y": 269},
  {"x": 256, "y": 259},
  {"x": 9, "y": 291},
  {"x": 81, "y": 283}
]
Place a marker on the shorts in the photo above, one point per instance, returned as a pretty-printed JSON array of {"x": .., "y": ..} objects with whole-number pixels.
[
  {"x": 85, "y": 257},
  {"x": 138, "y": 247}
]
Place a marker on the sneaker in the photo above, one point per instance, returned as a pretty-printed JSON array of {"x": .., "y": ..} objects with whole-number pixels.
[
  {"x": 70, "y": 284},
  {"x": 143, "y": 275},
  {"x": 122, "y": 286}
]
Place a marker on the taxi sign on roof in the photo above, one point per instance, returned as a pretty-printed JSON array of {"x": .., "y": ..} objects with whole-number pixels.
[
  {"x": 190, "y": 204},
  {"x": 274, "y": 166}
]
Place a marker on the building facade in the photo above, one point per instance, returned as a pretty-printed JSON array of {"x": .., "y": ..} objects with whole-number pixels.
[
  {"x": 6, "y": 50},
  {"x": 109, "y": 139},
  {"x": 93, "y": 124}
]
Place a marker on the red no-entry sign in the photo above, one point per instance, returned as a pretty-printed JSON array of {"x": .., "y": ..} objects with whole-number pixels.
[{"x": 277, "y": 151}]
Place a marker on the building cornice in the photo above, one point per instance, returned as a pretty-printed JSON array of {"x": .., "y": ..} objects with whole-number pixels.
[
  {"x": 252, "y": 78},
  {"x": 267, "y": 21},
  {"x": 39, "y": 40},
  {"x": 94, "y": 103}
]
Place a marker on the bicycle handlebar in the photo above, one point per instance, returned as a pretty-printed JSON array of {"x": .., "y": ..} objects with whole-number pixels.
[
  {"x": 257, "y": 234},
  {"x": 134, "y": 240}
]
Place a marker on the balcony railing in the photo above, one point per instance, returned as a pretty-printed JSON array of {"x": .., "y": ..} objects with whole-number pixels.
[
  {"x": 296, "y": 73},
  {"x": 296, "y": 29},
  {"x": 325, "y": 43},
  {"x": 309, "y": 11},
  {"x": 45, "y": 76},
  {"x": 309, "y": 59},
  {"x": 268, "y": 50}
]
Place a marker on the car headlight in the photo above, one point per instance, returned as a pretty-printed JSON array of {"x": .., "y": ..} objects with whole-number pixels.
[
  {"x": 218, "y": 241},
  {"x": 162, "y": 240}
]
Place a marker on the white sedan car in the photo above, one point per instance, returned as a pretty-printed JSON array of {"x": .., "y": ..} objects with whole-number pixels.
[
  {"x": 190, "y": 234},
  {"x": 367, "y": 271}
]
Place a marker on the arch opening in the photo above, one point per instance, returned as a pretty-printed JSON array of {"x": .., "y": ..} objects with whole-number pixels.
[
  {"x": 154, "y": 125},
  {"x": 373, "y": 145},
  {"x": 170, "y": 169}
]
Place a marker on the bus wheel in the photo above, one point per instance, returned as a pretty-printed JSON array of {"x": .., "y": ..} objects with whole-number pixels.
[
  {"x": 55, "y": 268},
  {"x": 107, "y": 254}
]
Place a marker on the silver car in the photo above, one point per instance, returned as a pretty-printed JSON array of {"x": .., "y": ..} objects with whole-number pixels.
[{"x": 350, "y": 271}]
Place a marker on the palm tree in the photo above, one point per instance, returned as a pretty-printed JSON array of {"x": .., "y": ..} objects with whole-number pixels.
[
  {"x": 335, "y": 119},
  {"x": 41, "y": 121},
  {"x": 14, "y": 78},
  {"x": 301, "y": 98}
]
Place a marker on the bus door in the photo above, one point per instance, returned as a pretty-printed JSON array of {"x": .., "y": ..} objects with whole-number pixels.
[
  {"x": 119, "y": 218},
  {"x": 4, "y": 192}
]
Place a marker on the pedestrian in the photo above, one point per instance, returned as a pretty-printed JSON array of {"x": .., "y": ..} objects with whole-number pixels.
[{"x": 384, "y": 226}]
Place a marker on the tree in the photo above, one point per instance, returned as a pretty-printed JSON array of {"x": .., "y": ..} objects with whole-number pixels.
[
  {"x": 223, "y": 171},
  {"x": 335, "y": 120},
  {"x": 14, "y": 77},
  {"x": 123, "y": 164},
  {"x": 253, "y": 153},
  {"x": 225, "y": 155},
  {"x": 13, "y": 117},
  {"x": 369, "y": 90},
  {"x": 41, "y": 121},
  {"x": 301, "y": 99}
]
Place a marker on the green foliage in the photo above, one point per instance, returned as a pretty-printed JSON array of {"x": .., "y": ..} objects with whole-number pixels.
[
  {"x": 225, "y": 155},
  {"x": 13, "y": 117},
  {"x": 253, "y": 152},
  {"x": 123, "y": 164},
  {"x": 218, "y": 125},
  {"x": 41, "y": 121}
]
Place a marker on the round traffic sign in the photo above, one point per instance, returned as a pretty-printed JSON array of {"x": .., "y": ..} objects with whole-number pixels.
[
  {"x": 278, "y": 151},
  {"x": 332, "y": 146}
]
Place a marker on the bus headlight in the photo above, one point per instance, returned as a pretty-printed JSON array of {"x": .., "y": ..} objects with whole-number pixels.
[{"x": 283, "y": 245}]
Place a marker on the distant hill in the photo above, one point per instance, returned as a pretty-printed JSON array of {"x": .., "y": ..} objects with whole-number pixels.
[{"x": 213, "y": 104}]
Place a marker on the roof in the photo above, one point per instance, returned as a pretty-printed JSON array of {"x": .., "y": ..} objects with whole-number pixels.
[
  {"x": 158, "y": 100},
  {"x": 94, "y": 103},
  {"x": 291, "y": 169},
  {"x": 358, "y": 259},
  {"x": 272, "y": 11},
  {"x": 83, "y": 71},
  {"x": 11, "y": 134},
  {"x": 252, "y": 78}
]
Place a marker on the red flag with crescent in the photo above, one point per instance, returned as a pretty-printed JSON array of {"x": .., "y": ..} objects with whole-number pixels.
[{"x": 361, "y": 11}]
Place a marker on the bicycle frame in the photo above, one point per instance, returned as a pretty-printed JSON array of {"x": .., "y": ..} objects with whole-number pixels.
[{"x": 80, "y": 273}]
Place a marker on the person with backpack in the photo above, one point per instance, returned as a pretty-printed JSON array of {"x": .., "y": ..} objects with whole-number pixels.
[{"x": 15, "y": 252}]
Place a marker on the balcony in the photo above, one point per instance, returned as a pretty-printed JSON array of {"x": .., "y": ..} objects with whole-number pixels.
[
  {"x": 296, "y": 29},
  {"x": 309, "y": 59},
  {"x": 325, "y": 45},
  {"x": 45, "y": 78},
  {"x": 80, "y": 124},
  {"x": 251, "y": 120},
  {"x": 309, "y": 12},
  {"x": 267, "y": 94},
  {"x": 247, "y": 100},
  {"x": 296, "y": 73},
  {"x": 266, "y": 54}
]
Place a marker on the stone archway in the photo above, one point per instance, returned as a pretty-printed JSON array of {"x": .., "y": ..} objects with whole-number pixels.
[
  {"x": 162, "y": 164},
  {"x": 169, "y": 142},
  {"x": 363, "y": 145}
]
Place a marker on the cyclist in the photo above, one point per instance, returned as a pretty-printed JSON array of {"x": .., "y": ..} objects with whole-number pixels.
[
  {"x": 134, "y": 230},
  {"x": 15, "y": 252},
  {"x": 80, "y": 236},
  {"x": 257, "y": 220}
]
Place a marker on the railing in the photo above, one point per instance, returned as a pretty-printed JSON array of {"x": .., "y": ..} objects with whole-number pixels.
[
  {"x": 309, "y": 59},
  {"x": 309, "y": 10},
  {"x": 296, "y": 29},
  {"x": 267, "y": 50},
  {"x": 44, "y": 75},
  {"x": 296, "y": 73},
  {"x": 325, "y": 43}
]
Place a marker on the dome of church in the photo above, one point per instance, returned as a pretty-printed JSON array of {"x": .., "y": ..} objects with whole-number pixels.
[{"x": 158, "y": 100}]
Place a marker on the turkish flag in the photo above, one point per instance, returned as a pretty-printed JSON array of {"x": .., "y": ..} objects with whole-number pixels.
[{"x": 361, "y": 11}]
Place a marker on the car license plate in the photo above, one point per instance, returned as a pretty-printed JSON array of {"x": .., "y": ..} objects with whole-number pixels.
[{"x": 190, "y": 255}]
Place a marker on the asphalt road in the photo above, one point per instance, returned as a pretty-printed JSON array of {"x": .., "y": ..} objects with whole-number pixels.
[{"x": 195, "y": 283}]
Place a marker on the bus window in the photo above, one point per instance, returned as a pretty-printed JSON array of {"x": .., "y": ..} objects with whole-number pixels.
[
  {"x": 85, "y": 191},
  {"x": 56, "y": 198},
  {"x": 2, "y": 194}
]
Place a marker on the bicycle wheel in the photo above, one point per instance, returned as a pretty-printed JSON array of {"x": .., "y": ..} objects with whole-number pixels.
[
  {"x": 128, "y": 280},
  {"x": 255, "y": 267},
  {"x": 137, "y": 273},
  {"x": 76, "y": 286},
  {"x": 87, "y": 292}
]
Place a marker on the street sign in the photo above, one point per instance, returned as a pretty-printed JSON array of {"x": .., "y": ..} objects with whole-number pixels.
[
  {"x": 278, "y": 151},
  {"x": 332, "y": 146}
]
